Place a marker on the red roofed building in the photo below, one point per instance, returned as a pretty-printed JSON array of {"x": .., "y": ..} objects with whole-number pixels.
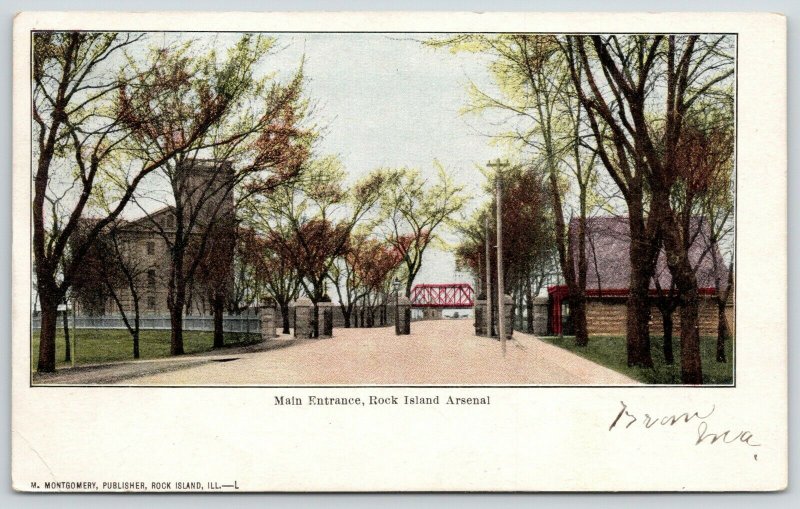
[{"x": 608, "y": 275}]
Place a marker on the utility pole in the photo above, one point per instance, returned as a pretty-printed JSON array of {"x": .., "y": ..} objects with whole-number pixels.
[
  {"x": 499, "y": 166},
  {"x": 74, "y": 333},
  {"x": 488, "y": 278}
]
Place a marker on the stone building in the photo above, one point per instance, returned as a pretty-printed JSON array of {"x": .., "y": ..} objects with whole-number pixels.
[
  {"x": 607, "y": 277},
  {"x": 203, "y": 188}
]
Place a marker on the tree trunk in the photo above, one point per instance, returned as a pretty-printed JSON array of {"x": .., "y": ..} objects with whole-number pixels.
[
  {"x": 136, "y": 324},
  {"x": 691, "y": 367},
  {"x": 47, "y": 332},
  {"x": 176, "y": 324},
  {"x": 578, "y": 312},
  {"x": 680, "y": 267},
  {"x": 135, "y": 335},
  {"x": 346, "y": 310},
  {"x": 529, "y": 309},
  {"x": 666, "y": 318},
  {"x": 576, "y": 282},
  {"x": 67, "y": 351},
  {"x": 723, "y": 330},
  {"x": 638, "y": 321},
  {"x": 642, "y": 267},
  {"x": 490, "y": 299},
  {"x": 579, "y": 297},
  {"x": 177, "y": 299},
  {"x": 218, "y": 305},
  {"x": 285, "y": 316}
]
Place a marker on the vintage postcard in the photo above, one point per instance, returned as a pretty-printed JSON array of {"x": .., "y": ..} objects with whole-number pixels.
[{"x": 399, "y": 252}]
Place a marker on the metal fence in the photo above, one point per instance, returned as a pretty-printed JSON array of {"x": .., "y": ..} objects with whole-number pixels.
[{"x": 249, "y": 323}]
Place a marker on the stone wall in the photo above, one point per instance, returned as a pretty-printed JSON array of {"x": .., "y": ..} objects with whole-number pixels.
[
  {"x": 608, "y": 317},
  {"x": 431, "y": 314},
  {"x": 479, "y": 317},
  {"x": 403, "y": 326},
  {"x": 338, "y": 317}
]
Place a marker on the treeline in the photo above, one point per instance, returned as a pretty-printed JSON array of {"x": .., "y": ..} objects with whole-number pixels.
[
  {"x": 528, "y": 243},
  {"x": 249, "y": 210},
  {"x": 318, "y": 234},
  {"x": 637, "y": 125}
]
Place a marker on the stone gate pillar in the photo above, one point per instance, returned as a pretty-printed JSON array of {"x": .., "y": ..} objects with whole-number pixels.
[
  {"x": 403, "y": 326},
  {"x": 268, "y": 321},
  {"x": 303, "y": 318},
  {"x": 540, "y": 308},
  {"x": 508, "y": 310},
  {"x": 480, "y": 317},
  {"x": 325, "y": 314}
]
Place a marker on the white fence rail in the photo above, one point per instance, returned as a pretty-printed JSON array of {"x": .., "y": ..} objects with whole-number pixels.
[{"x": 246, "y": 323}]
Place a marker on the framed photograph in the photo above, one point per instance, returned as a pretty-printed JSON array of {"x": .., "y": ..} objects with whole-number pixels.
[{"x": 399, "y": 252}]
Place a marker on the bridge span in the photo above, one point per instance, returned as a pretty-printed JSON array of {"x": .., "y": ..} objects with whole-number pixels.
[{"x": 443, "y": 296}]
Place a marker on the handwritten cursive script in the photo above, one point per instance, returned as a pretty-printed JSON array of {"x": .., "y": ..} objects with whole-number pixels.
[
  {"x": 626, "y": 418},
  {"x": 726, "y": 437}
]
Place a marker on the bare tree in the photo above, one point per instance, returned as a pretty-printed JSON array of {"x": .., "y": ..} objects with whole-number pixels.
[
  {"x": 640, "y": 150},
  {"x": 705, "y": 190},
  {"x": 214, "y": 275},
  {"x": 112, "y": 272},
  {"x": 81, "y": 123},
  {"x": 254, "y": 142},
  {"x": 317, "y": 217},
  {"x": 548, "y": 122},
  {"x": 528, "y": 250}
]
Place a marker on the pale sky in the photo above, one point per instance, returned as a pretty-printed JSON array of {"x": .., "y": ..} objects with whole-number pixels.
[
  {"x": 381, "y": 100},
  {"x": 387, "y": 100}
]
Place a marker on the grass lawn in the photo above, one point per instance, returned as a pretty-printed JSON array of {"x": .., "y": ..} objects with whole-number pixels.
[
  {"x": 95, "y": 346},
  {"x": 610, "y": 352}
]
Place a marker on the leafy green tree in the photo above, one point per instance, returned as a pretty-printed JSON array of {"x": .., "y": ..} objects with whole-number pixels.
[
  {"x": 253, "y": 140},
  {"x": 414, "y": 210},
  {"x": 533, "y": 85},
  {"x": 309, "y": 224},
  {"x": 82, "y": 125}
]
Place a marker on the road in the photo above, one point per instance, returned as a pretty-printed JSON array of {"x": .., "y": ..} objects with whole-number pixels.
[{"x": 437, "y": 352}]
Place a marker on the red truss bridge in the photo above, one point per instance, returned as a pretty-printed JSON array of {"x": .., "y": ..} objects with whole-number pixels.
[{"x": 447, "y": 295}]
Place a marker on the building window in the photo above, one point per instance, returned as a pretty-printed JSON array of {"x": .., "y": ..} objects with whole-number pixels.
[
  {"x": 151, "y": 277},
  {"x": 151, "y": 303},
  {"x": 151, "y": 248}
]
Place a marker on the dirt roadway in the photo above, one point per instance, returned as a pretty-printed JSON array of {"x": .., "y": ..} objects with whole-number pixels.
[{"x": 437, "y": 352}]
